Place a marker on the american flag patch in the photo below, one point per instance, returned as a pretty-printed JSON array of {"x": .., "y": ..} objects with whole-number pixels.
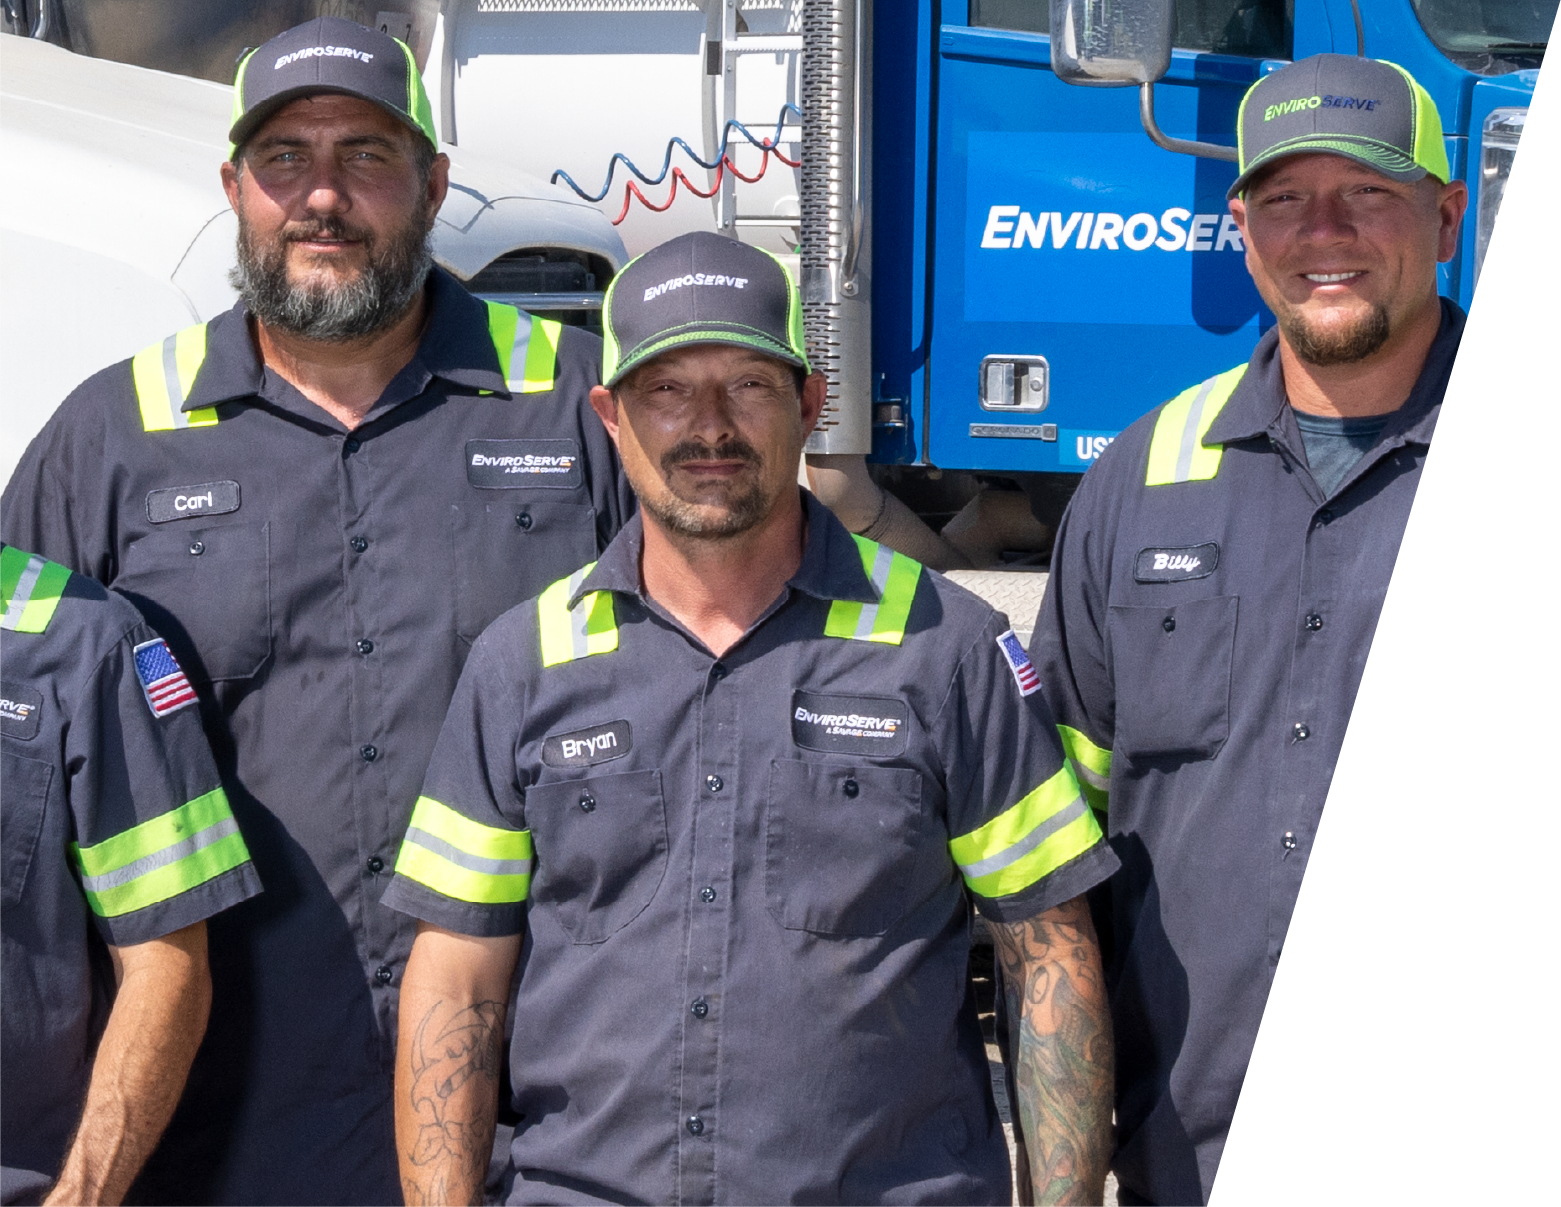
[
  {"x": 162, "y": 681},
  {"x": 1019, "y": 663}
]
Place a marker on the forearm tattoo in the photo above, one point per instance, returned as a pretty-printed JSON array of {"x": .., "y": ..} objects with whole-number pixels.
[
  {"x": 455, "y": 1075},
  {"x": 1060, "y": 1040}
]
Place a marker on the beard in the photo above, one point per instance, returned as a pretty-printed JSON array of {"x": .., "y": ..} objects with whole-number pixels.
[
  {"x": 1336, "y": 344},
  {"x": 690, "y": 518},
  {"x": 325, "y": 310}
]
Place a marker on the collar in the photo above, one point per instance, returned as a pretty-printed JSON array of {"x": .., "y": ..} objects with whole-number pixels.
[
  {"x": 1260, "y": 406},
  {"x": 455, "y": 346},
  {"x": 831, "y": 563}
]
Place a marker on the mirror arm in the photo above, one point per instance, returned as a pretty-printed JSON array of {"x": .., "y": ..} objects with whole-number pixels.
[{"x": 1181, "y": 146}]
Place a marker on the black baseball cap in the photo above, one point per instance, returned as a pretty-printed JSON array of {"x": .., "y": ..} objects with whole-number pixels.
[
  {"x": 700, "y": 288},
  {"x": 329, "y": 54},
  {"x": 1368, "y": 110}
]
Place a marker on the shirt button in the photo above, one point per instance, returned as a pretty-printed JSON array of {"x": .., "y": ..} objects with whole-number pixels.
[
  {"x": 707, "y": 894},
  {"x": 359, "y": 543},
  {"x": 351, "y": 445},
  {"x": 850, "y": 788},
  {"x": 369, "y": 753},
  {"x": 587, "y": 801},
  {"x": 700, "y": 1008},
  {"x": 714, "y": 782},
  {"x": 523, "y": 521},
  {"x": 1169, "y": 624},
  {"x": 382, "y": 974},
  {"x": 1313, "y": 623},
  {"x": 365, "y": 646},
  {"x": 1325, "y": 515},
  {"x": 718, "y": 672},
  {"x": 1288, "y": 841},
  {"x": 1301, "y": 731},
  {"x": 376, "y": 865},
  {"x": 695, "y": 1125},
  {"x": 197, "y": 548}
]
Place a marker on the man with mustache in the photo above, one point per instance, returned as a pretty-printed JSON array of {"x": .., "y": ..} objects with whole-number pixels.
[
  {"x": 1217, "y": 581},
  {"x": 320, "y": 499},
  {"x": 725, "y": 795}
]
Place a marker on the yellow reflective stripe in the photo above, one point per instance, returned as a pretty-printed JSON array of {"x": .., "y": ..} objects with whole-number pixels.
[
  {"x": 1176, "y": 450},
  {"x": 30, "y": 590},
  {"x": 502, "y": 321},
  {"x": 590, "y": 627},
  {"x": 1027, "y": 841},
  {"x": 464, "y": 859},
  {"x": 164, "y": 374},
  {"x": 1091, "y": 764},
  {"x": 895, "y": 577},
  {"x": 161, "y": 858},
  {"x": 541, "y": 356}
]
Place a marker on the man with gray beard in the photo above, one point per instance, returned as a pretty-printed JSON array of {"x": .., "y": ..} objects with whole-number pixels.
[
  {"x": 1216, "y": 584},
  {"x": 320, "y": 499}
]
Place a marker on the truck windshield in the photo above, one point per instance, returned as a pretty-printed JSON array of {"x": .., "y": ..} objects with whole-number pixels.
[{"x": 1490, "y": 37}]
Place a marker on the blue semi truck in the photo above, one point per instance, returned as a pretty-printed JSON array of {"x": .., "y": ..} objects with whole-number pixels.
[{"x": 1004, "y": 269}]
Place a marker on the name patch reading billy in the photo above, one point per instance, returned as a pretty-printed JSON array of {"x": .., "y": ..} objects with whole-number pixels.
[
  {"x": 873, "y": 725},
  {"x": 523, "y": 464}
]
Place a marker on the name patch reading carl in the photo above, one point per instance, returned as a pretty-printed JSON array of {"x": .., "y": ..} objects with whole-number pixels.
[
  {"x": 874, "y": 725},
  {"x": 1176, "y": 565},
  {"x": 523, "y": 464},
  {"x": 19, "y": 712},
  {"x": 187, "y": 502},
  {"x": 585, "y": 747}
]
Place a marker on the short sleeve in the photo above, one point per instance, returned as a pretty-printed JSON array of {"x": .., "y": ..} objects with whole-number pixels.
[
  {"x": 157, "y": 847},
  {"x": 465, "y": 863},
  {"x": 1020, "y": 831}
]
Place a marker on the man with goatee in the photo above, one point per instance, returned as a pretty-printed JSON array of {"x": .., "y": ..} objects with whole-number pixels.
[
  {"x": 1217, "y": 581},
  {"x": 320, "y": 499}
]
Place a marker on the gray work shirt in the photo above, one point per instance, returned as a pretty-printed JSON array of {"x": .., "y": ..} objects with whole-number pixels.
[
  {"x": 114, "y": 829},
  {"x": 323, "y": 589},
  {"x": 1210, "y": 635},
  {"x": 748, "y": 922}
]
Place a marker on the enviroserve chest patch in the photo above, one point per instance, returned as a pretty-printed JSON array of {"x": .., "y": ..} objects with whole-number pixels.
[
  {"x": 20, "y": 708},
  {"x": 873, "y": 725},
  {"x": 523, "y": 464}
]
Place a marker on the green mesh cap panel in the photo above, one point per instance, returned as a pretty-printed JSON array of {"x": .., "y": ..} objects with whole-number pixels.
[
  {"x": 329, "y": 54},
  {"x": 1368, "y": 110},
  {"x": 700, "y": 288}
]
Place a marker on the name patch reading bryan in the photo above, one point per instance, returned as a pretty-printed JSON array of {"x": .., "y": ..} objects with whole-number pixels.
[
  {"x": 585, "y": 747},
  {"x": 187, "y": 502},
  {"x": 523, "y": 464},
  {"x": 1176, "y": 565},
  {"x": 873, "y": 725},
  {"x": 19, "y": 711}
]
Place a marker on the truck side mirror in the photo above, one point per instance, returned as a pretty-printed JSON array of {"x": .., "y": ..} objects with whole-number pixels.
[{"x": 1111, "y": 43}]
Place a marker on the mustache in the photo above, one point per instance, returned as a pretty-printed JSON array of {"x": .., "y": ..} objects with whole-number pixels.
[
  {"x": 735, "y": 449},
  {"x": 328, "y": 227}
]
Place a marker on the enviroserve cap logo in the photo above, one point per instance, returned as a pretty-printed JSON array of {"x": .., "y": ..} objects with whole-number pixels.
[
  {"x": 1319, "y": 102},
  {"x": 694, "y": 278},
  {"x": 1173, "y": 229},
  {"x": 849, "y": 724},
  {"x": 325, "y": 52}
]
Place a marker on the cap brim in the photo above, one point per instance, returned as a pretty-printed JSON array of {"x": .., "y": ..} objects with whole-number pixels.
[
  {"x": 1378, "y": 156},
  {"x": 732, "y": 334},
  {"x": 245, "y": 128}
]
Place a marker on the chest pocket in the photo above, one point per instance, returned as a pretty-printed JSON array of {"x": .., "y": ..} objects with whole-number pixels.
[
  {"x": 1176, "y": 660},
  {"x": 208, "y": 592},
  {"x": 841, "y": 846},
  {"x": 601, "y": 848},
  {"x": 26, "y": 798},
  {"x": 509, "y": 548}
]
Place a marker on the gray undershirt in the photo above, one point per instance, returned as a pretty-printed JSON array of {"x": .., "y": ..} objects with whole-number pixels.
[{"x": 1333, "y": 446}]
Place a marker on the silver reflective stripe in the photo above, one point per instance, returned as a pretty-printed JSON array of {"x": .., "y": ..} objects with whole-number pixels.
[
  {"x": 461, "y": 859},
  {"x": 1190, "y": 432},
  {"x": 171, "y": 381},
  {"x": 578, "y": 616},
  {"x": 517, "y": 352},
  {"x": 1093, "y": 778},
  {"x": 24, "y": 592},
  {"x": 1028, "y": 843},
  {"x": 882, "y": 561},
  {"x": 215, "y": 832}
]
